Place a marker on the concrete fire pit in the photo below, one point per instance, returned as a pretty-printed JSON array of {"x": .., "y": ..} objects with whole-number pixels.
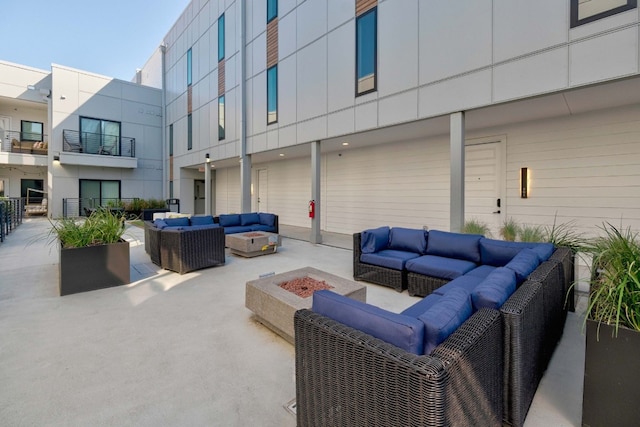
[{"x": 274, "y": 306}]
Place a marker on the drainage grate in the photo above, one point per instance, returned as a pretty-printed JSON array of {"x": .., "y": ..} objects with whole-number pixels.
[{"x": 291, "y": 406}]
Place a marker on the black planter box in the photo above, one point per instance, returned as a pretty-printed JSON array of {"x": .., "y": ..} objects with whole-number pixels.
[
  {"x": 611, "y": 377},
  {"x": 94, "y": 267}
]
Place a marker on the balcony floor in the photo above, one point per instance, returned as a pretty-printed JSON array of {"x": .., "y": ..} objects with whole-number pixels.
[{"x": 181, "y": 350}]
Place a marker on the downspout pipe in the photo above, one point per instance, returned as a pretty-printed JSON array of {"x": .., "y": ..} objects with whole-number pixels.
[
  {"x": 245, "y": 159},
  {"x": 165, "y": 157}
]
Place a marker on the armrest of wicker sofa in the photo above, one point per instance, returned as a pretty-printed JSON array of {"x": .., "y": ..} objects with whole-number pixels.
[
  {"x": 396, "y": 279},
  {"x": 566, "y": 257},
  {"x": 152, "y": 242},
  {"x": 346, "y": 377},
  {"x": 191, "y": 248}
]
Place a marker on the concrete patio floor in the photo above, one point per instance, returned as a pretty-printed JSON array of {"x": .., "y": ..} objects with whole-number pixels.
[{"x": 172, "y": 350}]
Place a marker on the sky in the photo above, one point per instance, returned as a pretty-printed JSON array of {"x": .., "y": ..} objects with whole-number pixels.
[{"x": 108, "y": 37}]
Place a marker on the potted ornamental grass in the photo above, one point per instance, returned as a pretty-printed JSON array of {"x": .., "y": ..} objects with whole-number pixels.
[
  {"x": 93, "y": 254},
  {"x": 612, "y": 376}
]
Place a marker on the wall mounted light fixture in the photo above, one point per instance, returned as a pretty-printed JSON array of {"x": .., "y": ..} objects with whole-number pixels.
[
  {"x": 207, "y": 159},
  {"x": 56, "y": 157},
  {"x": 524, "y": 183}
]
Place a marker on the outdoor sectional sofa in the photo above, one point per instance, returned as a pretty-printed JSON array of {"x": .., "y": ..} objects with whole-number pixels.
[
  {"x": 472, "y": 352},
  {"x": 246, "y": 222},
  {"x": 185, "y": 244}
]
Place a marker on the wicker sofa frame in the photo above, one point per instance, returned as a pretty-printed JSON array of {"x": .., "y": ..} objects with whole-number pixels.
[
  {"x": 396, "y": 279},
  {"x": 185, "y": 250}
]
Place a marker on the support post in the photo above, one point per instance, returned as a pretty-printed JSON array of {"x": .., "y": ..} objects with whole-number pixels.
[
  {"x": 207, "y": 186},
  {"x": 457, "y": 172},
  {"x": 316, "y": 236},
  {"x": 245, "y": 183}
]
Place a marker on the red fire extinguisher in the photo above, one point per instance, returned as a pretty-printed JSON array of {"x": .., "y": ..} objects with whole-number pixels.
[{"x": 312, "y": 209}]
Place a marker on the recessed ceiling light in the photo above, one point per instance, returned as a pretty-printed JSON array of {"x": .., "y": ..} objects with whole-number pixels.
[
  {"x": 281, "y": 154},
  {"x": 345, "y": 144}
]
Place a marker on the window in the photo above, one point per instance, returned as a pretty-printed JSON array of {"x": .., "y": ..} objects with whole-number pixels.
[
  {"x": 221, "y": 38},
  {"x": 189, "y": 132},
  {"x": 96, "y": 193},
  {"x": 272, "y": 94},
  {"x": 171, "y": 139},
  {"x": 272, "y": 10},
  {"x": 171, "y": 189},
  {"x": 220, "y": 117},
  {"x": 366, "y": 52},
  {"x": 583, "y": 11},
  {"x": 189, "y": 68},
  {"x": 99, "y": 136},
  {"x": 31, "y": 131}
]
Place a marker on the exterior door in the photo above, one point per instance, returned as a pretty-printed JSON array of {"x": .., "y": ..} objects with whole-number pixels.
[
  {"x": 198, "y": 193},
  {"x": 483, "y": 184},
  {"x": 5, "y": 127},
  {"x": 263, "y": 180}
]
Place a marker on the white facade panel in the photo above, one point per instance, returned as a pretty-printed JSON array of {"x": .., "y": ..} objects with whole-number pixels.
[
  {"x": 341, "y": 123},
  {"x": 312, "y": 80},
  {"x": 287, "y": 136},
  {"x": 339, "y": 12},
  {"x": 366, "y": 116},
  {"x": 259, "y": 107},
  {"x": 521, "y": 27},
  {"x": 286, "y": 6},
  {"x": 311, "y": 130},
  {"x": 397, "y": 46},
  {"x": 312, "y": 21},
  {"x": 398, "y": 108},
  {"x": 273, "y": 139},
  {"x": 287, "y": 91},
  {"x": 289, "y": 190},
  {"x": 536, "y": 74},
  {"x": 604, "y": 57},
  {"x": 341, "y": 67},
  {"x": 463, "y": 27},
  {"x": 259, "y": 50},
  {"x": 287, "y": 35},
  {"x": 456, "y": 94}
]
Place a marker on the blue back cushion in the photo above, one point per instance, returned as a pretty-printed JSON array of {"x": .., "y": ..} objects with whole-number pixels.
[
  {"x": 249, "y": 218},
  {"x": 493, "y": 291},
  {"x": 454, "y": 245},
  {"x": 422, "y": 305},
  {"x": 177, "y": 222},
  {"x": 408, "y": 239},
  {"x": 201, "y": 220},
  {"x": 203, "y": 226},
  {"x": 499, "y": 252},
  {"x": 402, "y": 331},
  {"x": 443, "y": 318},
  {"x": 374, "y": 240},
  {"x": 229, "y": 220},
  {"x": 523, "y": 264},
  {"x": 160, "y": 223},
  {"x": 267, "y": 219},
  {"x": 543, "y": 250}
]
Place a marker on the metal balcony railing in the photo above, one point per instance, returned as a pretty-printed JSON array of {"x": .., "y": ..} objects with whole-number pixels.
[
  {"x": 96, "y": 143},
  {"x": 24, "y": 142}
]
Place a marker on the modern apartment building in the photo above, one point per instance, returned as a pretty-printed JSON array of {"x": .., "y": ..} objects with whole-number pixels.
[{"x": 391, "y": 112}]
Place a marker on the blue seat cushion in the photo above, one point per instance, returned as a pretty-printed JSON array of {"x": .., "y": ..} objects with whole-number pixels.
[
  {"x": 374, "y": 240},
  {"x": 402, "y": 331},
  {"x": 202, "y": 226},
  {"x": 237, "y": 229},
  {"x": 454, "y": 245},
  {"x": 441, "y": 267},
  {"x": 443, "y": 318},
  {"x": 268, "y": 219},
  {"x": 261, "y": 227},
  {"x": 422, "y": 305},
  {"x": 408, "y": 239},
  {"x": 229, "y": 220},
  {"x": 249, "y": 218},
  {"x": 159, "y": 223},
  {"x": 493, "y": 291},
  {"x": 177, "y": 222},
  {"x": 481, "y": 271},
  {"x": 466, "y": 282},
  {"x": 201, "y": 220},
  {"x": 388, "y": 258},
  {"x": 523, "y": 264}
]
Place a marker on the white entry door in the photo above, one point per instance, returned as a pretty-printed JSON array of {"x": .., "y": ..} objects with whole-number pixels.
[
  {"x": 483, "y": 184},
  {"x": 263, "y": 187},
  {"x": 199, "y": 196}
]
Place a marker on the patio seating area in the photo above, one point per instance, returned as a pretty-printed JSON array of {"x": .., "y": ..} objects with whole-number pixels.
[{"x": 173, "y": 349}]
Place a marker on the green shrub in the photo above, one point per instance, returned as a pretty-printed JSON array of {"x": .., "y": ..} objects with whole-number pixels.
[
  {"x": 474, "y": 226},
  {"x": 510, "y": 229},
  {"x": 531, "y": 233},
  {"x": 103, "y": 226}
]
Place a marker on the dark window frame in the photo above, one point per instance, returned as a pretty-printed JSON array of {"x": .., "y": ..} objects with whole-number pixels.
[
  {"x": 221, "y": 38},
  {"x": 575, "y": 22},
  {"x": 269, "y": 70},
  {"x": 272, "y": 6},
  {"x": 373, "y": 10},
  {"x": 222, "y": 118},
  {"x": 117, "y": 147},
  {"x": 31, "y": 138},
  {"x": 189, "y": 67},
  {"x": 101, "y": 197},
  {"x": 189, "y": 131},
  {"x": 171, "y": 139}
]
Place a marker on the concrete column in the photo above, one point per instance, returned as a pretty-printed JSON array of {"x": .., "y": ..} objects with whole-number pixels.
[
  {"x": 316, "y": 236},
  {"x": 207, "y": 186},
  {"x": 245, "y": 183},
  {"x": 457, "y": 172}
]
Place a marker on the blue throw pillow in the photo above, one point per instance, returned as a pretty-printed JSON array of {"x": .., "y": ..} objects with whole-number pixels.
[
  {"x": 229, "y": 220},
  {"x": 160, "y": 223},
  {"x": 443, "y": 318},
  {"x": 177, "y": 222},
  {"x": 408, "y": 239},
  {"x": 454, "y": 245},
  {"x": 493, "y": 291},
  {"x": 201, "y": 220},
  {"x": 523, "y": 264},
  {"x": 249, "y": 218},
  {"x": 402, "y": 331},
  {"x": 267, "y": 219},
  {"x": 374, "y": 240}
]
